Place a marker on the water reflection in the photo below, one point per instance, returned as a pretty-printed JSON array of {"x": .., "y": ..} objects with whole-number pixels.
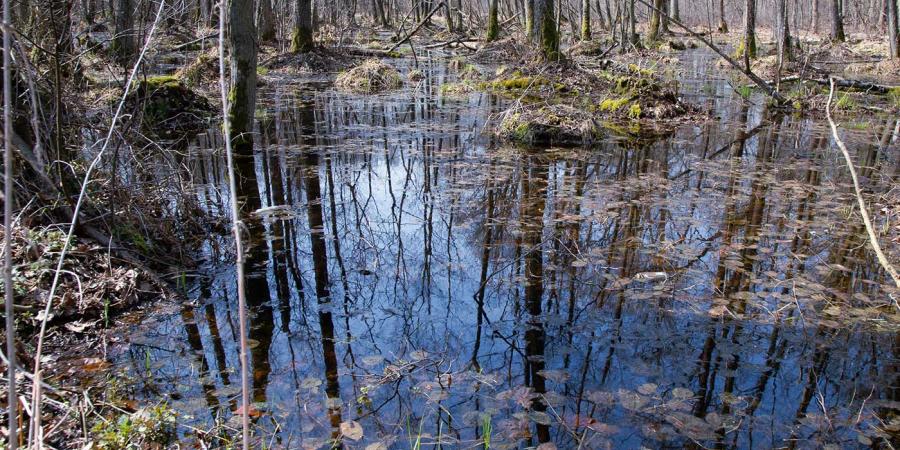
[{"x": 410, "y": 276}]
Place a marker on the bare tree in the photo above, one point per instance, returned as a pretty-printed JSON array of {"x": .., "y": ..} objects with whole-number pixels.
[
  {"x": 242, "y": 43},
  {"x": 748, "y": 44},
  {"x": 302, "y": 36},
  {"x": 655, "y": 19},
  {"x": 585, "y": 20},
  {"x": 893, "y": 25},
  {"x": 785, "y": 52},
  {"x": 265, "y": 21},
  {"x": 723, "y": 24},
  {"x": 493, "y": 28},
  {"x": 123, "y": 44},
  {"x": 545, "y": 34},
  {"x": 837, "y": 22}
]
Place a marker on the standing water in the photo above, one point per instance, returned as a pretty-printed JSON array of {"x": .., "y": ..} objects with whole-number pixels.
[{"x": 413, "y": 283}]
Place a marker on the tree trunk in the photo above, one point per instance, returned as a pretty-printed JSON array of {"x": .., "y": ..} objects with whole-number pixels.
[
  {"x": 585, "y": 20},
  {"x": 632, "y": 25},
  {"x": 676, "y": 10},
  {"x": 653, "y": 31},
  {"x": 302, "y": 37},
  {"x": 748, "y": 45},
  {"x": 493, "y": 29},
  {"x": 265, "y": 21},
  {"x": 785, "y": 52},
  {"x": 664, "y": 18},
  {"x": 837, "y": 22},
  {"x": 815, "y": 14},
  {"x": 544, "y": 32},
  {"x": 723, "y": 24},
  {"x": 242, "y": 98},
  {"x": 529, "y": 17},
  {"x": 123, "y": 44},
  {"x": 893, "y": 23}
]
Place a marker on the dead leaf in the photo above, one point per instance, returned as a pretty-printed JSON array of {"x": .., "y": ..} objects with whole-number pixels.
[{"x": 352, "y": 430}]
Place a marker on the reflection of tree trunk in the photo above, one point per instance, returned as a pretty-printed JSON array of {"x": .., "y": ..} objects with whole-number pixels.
[
  {"x": 310, "y": 161},
  {"x": 257, "y": 282},
  {"x": 534, "y": 188},
  {"x": 485, "y": 262},
  {"x": 196, "y": 343}
]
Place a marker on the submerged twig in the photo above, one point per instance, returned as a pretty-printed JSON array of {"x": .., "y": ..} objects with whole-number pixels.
[{"x": 873, "y": 238}]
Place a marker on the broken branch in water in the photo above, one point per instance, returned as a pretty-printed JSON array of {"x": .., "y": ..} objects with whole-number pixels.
[{"x": 873, "y": 238}]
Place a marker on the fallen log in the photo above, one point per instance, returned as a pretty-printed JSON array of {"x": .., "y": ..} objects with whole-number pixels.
[{"x": 840, "y": 82}]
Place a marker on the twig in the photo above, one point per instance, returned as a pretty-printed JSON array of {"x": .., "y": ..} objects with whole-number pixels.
[
  {"x": 36, "y": 393},
  {"x": 873, "y": 238},
  {"x": 236, "y": 229}
]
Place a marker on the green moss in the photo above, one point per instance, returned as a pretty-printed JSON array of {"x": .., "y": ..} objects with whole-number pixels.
[
  {"x": 301, "y": 40},
  {"x": 894, "y": 96},
  {"x": 634, "y": 111},
  {"x": 262, "y": 71},
  {"x": 614, "y": 104},
  {"x": 845, "y": 103},
  {"x": 160, "y": 81}
]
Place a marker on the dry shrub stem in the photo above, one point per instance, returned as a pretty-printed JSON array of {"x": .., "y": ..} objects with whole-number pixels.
[
  {"x": 236, "y": 229},
  {"x": 35, "y": 433},
  {"x": 873, "y": 238}
]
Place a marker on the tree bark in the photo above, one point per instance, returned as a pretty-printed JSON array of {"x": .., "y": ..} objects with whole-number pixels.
[
  {"x": 785, "y": 52},
  {"x": 302, "y": 36},
  {"x": 529, "y": 17},
  {"x": 585, "y": 20},
  {"x": 265, "y": 21},
  {"x": 676, "y": 10},
  {"x": 893, "y": 23},
  {"x": 748, "y": 45},
  {"x": 837, "y": 22},
  {"x": 544, "y": 31},
  {"x": 653, "y": 32},
  {"x": 493, "y": 28},
  {"x": 242, "y": 98},
  {"x": 123, "y": 44},
  {"x": 723, "y": 24}
]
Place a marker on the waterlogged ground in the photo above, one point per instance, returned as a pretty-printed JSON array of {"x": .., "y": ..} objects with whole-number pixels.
[{"x": 414, "y": 284}]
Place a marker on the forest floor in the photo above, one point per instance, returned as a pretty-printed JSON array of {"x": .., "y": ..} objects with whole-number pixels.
[{"x": 569, "y": 102}]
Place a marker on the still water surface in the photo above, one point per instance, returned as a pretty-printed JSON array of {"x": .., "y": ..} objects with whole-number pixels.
[{"x": 415, "y": 280}]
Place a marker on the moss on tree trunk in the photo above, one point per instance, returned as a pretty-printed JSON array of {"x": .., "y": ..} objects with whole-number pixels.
[
  {"x": 302, "y": 36},
  {"x": 493, "y": 28},
  {"x": 242, "y": 97}
]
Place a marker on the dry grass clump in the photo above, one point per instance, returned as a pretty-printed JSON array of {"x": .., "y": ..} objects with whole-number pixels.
[
  {"x": 371, "y": 76},
  {"x": 557, "y": 124}
]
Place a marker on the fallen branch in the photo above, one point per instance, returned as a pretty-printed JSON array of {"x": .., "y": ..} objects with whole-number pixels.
[
  {"x": 873, "y": 238},
  {"x": 841, "y": 82},
  {"x": 417, "y": 28}
]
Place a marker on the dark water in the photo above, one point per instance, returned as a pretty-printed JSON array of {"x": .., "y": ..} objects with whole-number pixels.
[{"x": 410, "y": 275}]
